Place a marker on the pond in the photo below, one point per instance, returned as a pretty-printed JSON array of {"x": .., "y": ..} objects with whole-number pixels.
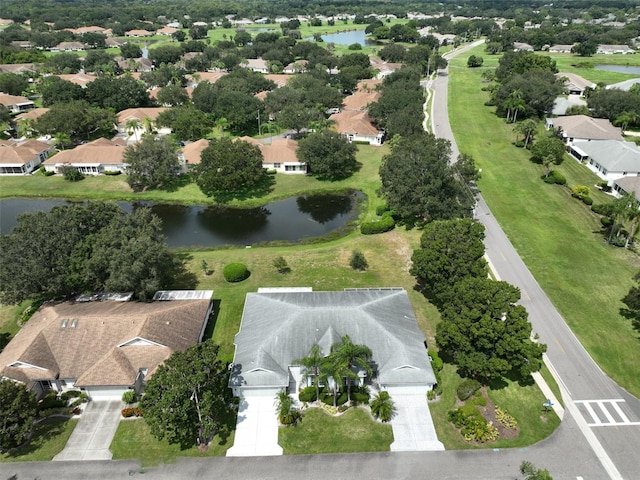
[
  {"x": 632, "y": 70},
  {"x": 291, "y": 220},
  {"x": 348, "y": 38}
]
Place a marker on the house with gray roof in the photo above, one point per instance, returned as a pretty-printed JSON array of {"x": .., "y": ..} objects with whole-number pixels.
[
  {"x": 281, "y": 326},
  {"x": 625, "y": 85},
  {"x": 625, "y": 185},
  {"x": 583, "y": 127},
  {"x": 609, "y": 159}
]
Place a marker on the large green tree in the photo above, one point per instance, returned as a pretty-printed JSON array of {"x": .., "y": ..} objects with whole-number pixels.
[
  {"x": 485, "y": 333},
  {"x": 77, "y": 119},
  {"x": 186, "y": 121},
  {"x": 187, "y": 401},
  {"x": 549, "y": 151},
  {"x": 117, "y": 93},
  {"x": 632, "y": 304},
  {"x": 56, "y": 90},
  {"x": 229, "y": 169},
  {"x": 352, "y": 357},
  {"x": 17, "y": 414},
  {"x": 152, "y": 163},
  {"x": 312, "y": 364},
  {"x": 329, "y": 155},
  {"x": 86, "y": 248},
  {"x": 13, "y": 84},
  {"x": 419, "y": 183},
  {"x": 450, "y": 251}
]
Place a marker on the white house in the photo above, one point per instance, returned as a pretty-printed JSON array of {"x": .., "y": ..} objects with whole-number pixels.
[
  {"x": 615, "y": 49},
  {"x": 583, "y": 127},
  {"x": 104, "y": 345},
  {"x": 609, "y": 159},
  {"x": 22, "y": 158},
  {"x": 16, "y": 103},
  {"x": 93, "y": 158},
  {"x": 357, "y": 127}
]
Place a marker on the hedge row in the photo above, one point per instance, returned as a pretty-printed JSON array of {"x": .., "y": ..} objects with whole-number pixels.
[
  {"x": 131, "y": 412},
  {"x": 385, "y": 224}
]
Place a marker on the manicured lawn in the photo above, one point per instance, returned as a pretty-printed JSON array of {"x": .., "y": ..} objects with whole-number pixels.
[
  {"x": 319, "y": 432},
  {"x": 584, "y": 66},
  {"x": 523, "y": 402},
  {"x": 49, "y": 438},
  {"x": 134, "y": 440},
  {"x": 557, "y": 237}
]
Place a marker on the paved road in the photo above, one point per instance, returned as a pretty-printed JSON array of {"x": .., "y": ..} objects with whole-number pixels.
[{"x": 567, "y": 453}]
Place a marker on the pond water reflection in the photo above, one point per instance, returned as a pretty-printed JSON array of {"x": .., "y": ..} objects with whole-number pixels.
[{"x": 292, "y": 219}]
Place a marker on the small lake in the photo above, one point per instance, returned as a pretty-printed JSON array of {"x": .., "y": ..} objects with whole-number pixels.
[
  {"x": 291, "y": 220},
  {"x": 632, "y": 70},
  {"x": 348, "y": 38}
]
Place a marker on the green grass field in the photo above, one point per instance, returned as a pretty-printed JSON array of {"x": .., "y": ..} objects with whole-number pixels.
[
  {"x": 49, "y": 438},
  {"x": 319, "y": 432},
  {"x": 557, "y": 237}
]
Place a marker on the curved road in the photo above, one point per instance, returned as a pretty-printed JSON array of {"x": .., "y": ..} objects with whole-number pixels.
[{"x": 609, "y": 448}]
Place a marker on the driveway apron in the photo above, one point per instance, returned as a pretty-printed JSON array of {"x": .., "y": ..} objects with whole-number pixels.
[{"x": 94, "y": 432}]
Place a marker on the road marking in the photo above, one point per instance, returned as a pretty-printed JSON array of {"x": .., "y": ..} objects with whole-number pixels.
[{"x": 603, "y": 406}]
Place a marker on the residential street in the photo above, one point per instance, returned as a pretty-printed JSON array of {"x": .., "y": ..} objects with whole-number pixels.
[{"x": 598, "y": 438}]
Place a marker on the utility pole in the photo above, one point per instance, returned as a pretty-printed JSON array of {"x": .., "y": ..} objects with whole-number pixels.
[{"x": 259, "y": 124}]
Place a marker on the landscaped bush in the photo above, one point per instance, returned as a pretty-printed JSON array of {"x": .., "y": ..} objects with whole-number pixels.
[
  {"x": 48, "y": 173},
  {"x": 555, "y": 177},
  {"x": 79, "y": 401},
  {"x": 358, "y": 262},
  {"x": 66, "y": 396},
  {"x": 478, "y": 400},
  {"x": 235, "y": 272},
  {"x": 381, "y": 209},
  {"x": 383, "y": 407},
  {"x": 505, "y": 419},
  {"x": 131, "y": 412},
  {"x": 308, "y": 394},
  {"x": 272, "y": 171},
  {"x": 467, "y": 388},
  {"x": 72, "y": 174},
  {"x": 604, "y": 186},
  {"x": 472, "y": 424},
  {"x": 436, "y": 361},
  {"x": 112, "y": 172},
  {"x": 606, "y": 222},
  {"x": 600, "y": 208},
  {"x": 360, "y": 394},
  {"x": 51, "y": 400},
  {"x": 385, "y": 224},
  {"x": 129, "y": 396},
  {"x": 587, "y": 200},
  {"x": 327, "y": 398},
  {"x": 580, "y": 191}
]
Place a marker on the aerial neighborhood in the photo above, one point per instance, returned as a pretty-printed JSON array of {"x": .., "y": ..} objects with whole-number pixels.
[{"x": 233, "y": 229}]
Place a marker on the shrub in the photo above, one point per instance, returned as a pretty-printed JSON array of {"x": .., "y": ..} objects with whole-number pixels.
[
  {"x": 131, "y": 412},
  {"x": 272, "y": 171},
  {"x": 79, "y": 401},
  {"x": 235, "y": 272},
  {"x": 478, "y": 400},
  {"x": 600, "y": 208},
  {"x": 72, "y": 174},
  {"x": 327, "y": 398},
  {"x": 580, "y": 191},
  {"x": 505, "y": 419},
  {"x": 606, "y": 222},
  {"x": 604, "y": 186},
  {"x": 381, "y": 209},
  {"x": 129, "y": 396},
  {"x": 51, "y": 401},
  {"x": 48, "y": 173},
  {"x": 385, "y": 224},
  {"x": 69, "y": 394},
  {"x": 360, "y": 397},
  {"x": 555, "y": 177},
  {"x": 281, "y": 265},
  {"x": 472, "y": 424},
  {"x": 308, "y": 394},
  {"x": 467, "y": 388},
  {"x": 519, "y": 144},
  {"x": 436, "y": 361},
  {"x": 587, "y": 200},
  {"x": 382, "y": 406},
  {"x": 358, "y": 262},
  {"x": 112, "y": 172}
]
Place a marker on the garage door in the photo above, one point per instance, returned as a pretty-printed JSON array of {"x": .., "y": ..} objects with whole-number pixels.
[{"x": 105, "y": 393}]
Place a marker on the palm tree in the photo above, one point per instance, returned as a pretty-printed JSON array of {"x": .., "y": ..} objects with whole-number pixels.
[
  {"x": 222, "y": 123},
  {"x": 527, "y": 129},
  {"x": 383, "y": 407},
  {"x": 632, "y": 213},
  {"x": 618, "y": 210},
  {"x": 312, "y": 364},
  {"x": 514, "y": 104},
  {"x": 26, "y": 127},
  {"x": 61, "y": 139},
  {"x": 351, "y": 356},
  {"x": 331, "y": 374},
  {"x": 133, "y": 126},
  {"x": 624, "y": 119}
]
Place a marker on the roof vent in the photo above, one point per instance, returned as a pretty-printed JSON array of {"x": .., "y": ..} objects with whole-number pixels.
[
  {"x": 64, "y": 322},
  {"x": 74, "y": 323}
]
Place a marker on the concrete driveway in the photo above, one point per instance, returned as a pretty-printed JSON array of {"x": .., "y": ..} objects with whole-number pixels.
[
  {"x": 94, "y": 432},
  {"x": 412, "y": 425},
  {"x": 256, "y": 428}
]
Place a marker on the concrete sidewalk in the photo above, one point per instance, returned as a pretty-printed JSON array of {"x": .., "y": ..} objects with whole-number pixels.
[{"x": 92, "y": 436}]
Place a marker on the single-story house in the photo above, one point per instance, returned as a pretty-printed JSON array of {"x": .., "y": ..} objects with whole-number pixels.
[
  {"x": 256, "y": 64},
  {"x": 280, "y": 155},
  {"x": 16, "y": 103},
  {"x": 146, "y": 118},
  {"x": 582, "y": 127},
  {"x": 23, "y": 158},
  {"x": 625, "y": 185},
  {"x": 195, "y": 78},
  {"x": 90, "y": 29},
  {"x": 69, "y": 47},
  {"x": 102, "y": 344},
  {"x": 190, "y": 154},
  {"x": 560, "y": 48},
  {"x": 279, "y": 326},
  {"x": 32, "y": 114},
  {"x": 138, "y": 33},
  {"x": 280, "y": 79},
  {"x": 18, "y": 68},
  {"x": 166, "y": 31},
  {"x": 575, "y": 84},
  {"x": 609, "y": 159},
  {"x": 625, "y": 85},
  {"x": 135, "y": 64},
  {"x": 21, "y": 43},
  {"x": 357, "y": 126},
  {"x": 114, "y": 42},
  {"x": 365, "y": 93},
  {"x": 615, "y": 49},
  {"x": 384, "y": 68},
  {"x": 81, "y": 79},
  {"x": 299, "y": 66},
  {"x": 93, "y": 158},
  {"x": 522, "y": 47}
]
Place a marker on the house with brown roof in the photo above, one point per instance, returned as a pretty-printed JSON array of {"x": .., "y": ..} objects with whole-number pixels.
[
  {"x": 138, "y": 33},
  {"x": 190, "y": 153},
  {"x": 69, "y": 47},
  {"x": 16, "y": 103},
  {"x": 23, "y": 158},
  {"x": 357, "y": 127},
  {"x": 212, "y": 77},
  {"x": 81, "y": 79},
  {"x": 575, "y": 84},
  {"x": 615, "y": 49},
  {"x": 134, "y": 64},
  {"x": 32, "y": 114},
  {"x": 582, "y": 127},
  {"x": 114, "y": 42},
  {"x": 104, "y": 344},
  {"x": 256, "y": 64},
  {"x": 93, "y": 158},
  {"x": 279, "y": 155},
  {"x": 365, "y": 94},
  {"x": 146, "y": 118},
  {"x": 18, "y": 68},
  {"x": 166, "y": 31}
]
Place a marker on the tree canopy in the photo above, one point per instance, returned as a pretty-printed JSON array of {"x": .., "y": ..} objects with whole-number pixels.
[
  {"x": 418, "y": 182},
  {"x": 230, "y": 169},
  {"x": 187, "y": 401},
  {"x": 485, "y": 333},
  {"x": 86, "y": 248},
  {"x": 450, "y": 250},
  {"x": 117, "y": 93},
  {"x": 77, "y": 119},
  {"x": 329, "y": 155},
  {"x": 153, "y": 163},
  {"x": 17, "y": 414}
]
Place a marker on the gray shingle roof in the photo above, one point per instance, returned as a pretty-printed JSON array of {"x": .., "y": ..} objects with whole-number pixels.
[
  {"x": 613, "y": 155},
  {"x": 278, "y": 328}
]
